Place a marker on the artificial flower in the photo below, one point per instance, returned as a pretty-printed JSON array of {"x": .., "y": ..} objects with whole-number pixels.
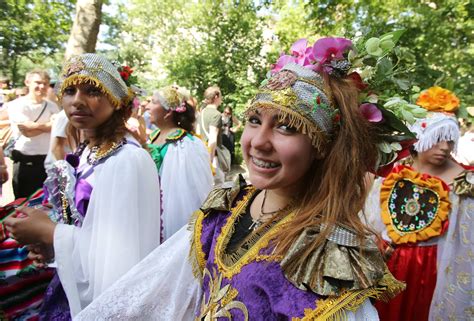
[
  {"x": 438, "y": 99},
  {"x": 357, "y": 80},
  {"x": 371, "y": 112},
  {"x": 326, "y": 50},
  {"x": 124, "y": 75},
  {"x": 302, "y": 53},
  {"x": 281, "y": 62}
]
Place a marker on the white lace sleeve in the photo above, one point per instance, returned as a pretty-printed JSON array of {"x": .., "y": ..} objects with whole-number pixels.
[
  {"x": 366, "y": 312},
  {"x": 161, "y": 287}
]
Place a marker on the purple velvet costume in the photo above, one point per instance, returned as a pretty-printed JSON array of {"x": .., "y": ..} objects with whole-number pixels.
[{"x": 259, "y": 291}]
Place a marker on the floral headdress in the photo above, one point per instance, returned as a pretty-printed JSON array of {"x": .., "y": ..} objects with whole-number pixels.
[
  {"x": 172, "y": 98},
  {"x": 440, "y": 124},
  {"x": 295, "y": 87},
  {"x": 97, "y": 70}
]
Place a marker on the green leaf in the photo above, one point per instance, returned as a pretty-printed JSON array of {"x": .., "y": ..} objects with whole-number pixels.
[
  {"x": 403, "y": 84},
  {"x": 373, "y": 47},
  {"x": 370, "y": 61},
  {"x": 394, "y": 36},
  {"x": 384, "y": 66}
]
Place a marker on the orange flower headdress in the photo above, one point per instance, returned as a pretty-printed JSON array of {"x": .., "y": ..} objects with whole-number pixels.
[
  {"x": 440, "y": 123},
  {"x": 439, "y": 100}
]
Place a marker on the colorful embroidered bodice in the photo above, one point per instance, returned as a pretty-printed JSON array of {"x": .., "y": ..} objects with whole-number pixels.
[{"x": 415, "y": 206}]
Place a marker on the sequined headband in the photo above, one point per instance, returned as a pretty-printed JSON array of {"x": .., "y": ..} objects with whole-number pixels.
[
  {"x": 171, "y": 98},
  {"x": 298, "y": 93},
  {"x": 98, "y": 71}
]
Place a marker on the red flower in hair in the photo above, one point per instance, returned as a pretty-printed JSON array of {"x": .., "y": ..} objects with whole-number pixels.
[
  {"x": 357, "y": 79},
  {"x": 124, "y": 75}
]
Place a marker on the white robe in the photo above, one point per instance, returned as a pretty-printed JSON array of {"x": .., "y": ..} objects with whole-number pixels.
[
  {"x": 121, "y": 226},
  {"x": 163, "y": 288},
  {"x": 186, "y": 180}
]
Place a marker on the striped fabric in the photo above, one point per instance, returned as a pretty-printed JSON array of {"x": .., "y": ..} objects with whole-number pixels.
[{"x": 22, "y": 286}]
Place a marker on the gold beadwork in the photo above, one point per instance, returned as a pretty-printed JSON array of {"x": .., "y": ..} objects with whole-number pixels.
[{"x": 97, "y": 154}]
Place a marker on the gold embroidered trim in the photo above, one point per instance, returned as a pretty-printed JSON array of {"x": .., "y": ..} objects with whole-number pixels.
[
  {"x": 335, "y": 308},
  {"x": 424, "y": 181},
  {"x": 220, "y": 301},
  {"x": 197, "y": 257},
  {"x": 231, "y": 264},
  {"x": 302, "y": 124},
  {"x": 83, "y": 79}
]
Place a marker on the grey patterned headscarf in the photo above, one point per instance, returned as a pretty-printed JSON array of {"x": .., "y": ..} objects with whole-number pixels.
[
  {"x": 97, "y": 70},
  {"x": 298, "y": 94}
]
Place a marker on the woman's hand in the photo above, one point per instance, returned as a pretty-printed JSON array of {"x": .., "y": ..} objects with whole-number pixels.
[{"x": 31, "y": 226}]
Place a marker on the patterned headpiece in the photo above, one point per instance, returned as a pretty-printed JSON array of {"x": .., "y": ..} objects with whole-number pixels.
[
  {"x": 298, "y": 93},
  {"x": 98, "y": 71},
  {"x": 440, "y": 123},
  {"x": 435, "y": 128},
  {"x": 172, "y": 98}
]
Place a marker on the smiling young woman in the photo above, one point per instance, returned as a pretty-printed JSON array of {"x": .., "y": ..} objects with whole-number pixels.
[
  {"x": 105, "y": 196},
  {"x": 290, "y": 245}
]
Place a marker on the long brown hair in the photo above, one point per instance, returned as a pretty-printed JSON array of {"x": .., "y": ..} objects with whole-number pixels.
[{"x": 336, "y": 188}]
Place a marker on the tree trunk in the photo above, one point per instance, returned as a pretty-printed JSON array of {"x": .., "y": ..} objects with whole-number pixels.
[{"x": 85, "y": 29}]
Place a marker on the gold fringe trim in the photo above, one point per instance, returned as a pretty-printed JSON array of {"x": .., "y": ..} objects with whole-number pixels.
[
  {"x": 231, "y": 264},
  {"x": 76, "y": 79},
  {"x": 319, "y": 139},
  {"x": 197, "y": 257},
  {"x": 424, "y": 181},
  {"x": 335, "y": 308}
]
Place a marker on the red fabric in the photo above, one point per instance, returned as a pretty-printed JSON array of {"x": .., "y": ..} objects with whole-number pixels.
[{"x": 416, "y": 266}]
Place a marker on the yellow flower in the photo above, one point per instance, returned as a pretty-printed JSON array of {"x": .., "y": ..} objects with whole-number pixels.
[{"x": 438, "y": 99}]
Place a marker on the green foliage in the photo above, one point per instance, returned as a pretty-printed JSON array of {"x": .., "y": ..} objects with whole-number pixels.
[
  {"x": 437, "y": 43},
  {"x": 195, "y": 44},
  {"x": 30, "y": 32}
]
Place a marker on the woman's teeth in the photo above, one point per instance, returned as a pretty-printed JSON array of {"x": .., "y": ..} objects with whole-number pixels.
[{"x": 261, "y": 163}]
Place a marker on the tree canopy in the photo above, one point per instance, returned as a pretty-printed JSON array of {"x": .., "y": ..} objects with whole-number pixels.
[
  {"x": 32, "y": 30},
  {"x": 233, "y": 43}
]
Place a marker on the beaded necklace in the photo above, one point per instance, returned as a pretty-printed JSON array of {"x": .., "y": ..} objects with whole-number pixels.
[
  {"x": 96, "y": 155},
  {"x": 93, "y": 159}
]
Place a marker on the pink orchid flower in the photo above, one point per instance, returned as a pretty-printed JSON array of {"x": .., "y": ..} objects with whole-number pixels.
[
  {"x": 371, "y": 112},
  {"x": 281, "y": 62},
  {"x": 327, "y": 49},
  {"x": 302, "y": 53}
]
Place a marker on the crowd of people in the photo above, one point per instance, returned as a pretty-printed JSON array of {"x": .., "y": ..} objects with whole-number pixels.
[{"x": 124, "y": 210}]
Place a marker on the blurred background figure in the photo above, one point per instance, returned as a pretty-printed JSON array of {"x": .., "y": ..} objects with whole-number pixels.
[
  {"x": 181, "y": 158},
  {"x": 210, "y": 124},
  {"x": 465, "y": 152},
  {"x": 4, "y": 89},
  {"x": 230, "y": 125},
  {"x": 30, "y": 118},
  {"x": 20, "y": 92}
]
